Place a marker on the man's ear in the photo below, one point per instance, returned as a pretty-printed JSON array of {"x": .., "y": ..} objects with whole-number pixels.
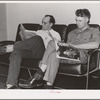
[
  {"x": 87, "y": 19},
  {"x": 51, "y": 24}
]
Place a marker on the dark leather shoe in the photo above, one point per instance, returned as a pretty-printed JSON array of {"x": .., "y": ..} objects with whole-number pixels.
[
  {"x": 47, "y": 86},
  {"x": 38, "y": 75},
  {"x": 31, "y": 84}
]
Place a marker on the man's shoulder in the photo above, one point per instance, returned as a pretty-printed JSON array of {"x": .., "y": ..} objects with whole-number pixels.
[
  {"x": 45, "y": 30},
  {"x": 39, "y": 30},
  {"x": 73, "y": 31},
  {"x": 53, "y": 31},
  {"x": 93, "y": 29}
]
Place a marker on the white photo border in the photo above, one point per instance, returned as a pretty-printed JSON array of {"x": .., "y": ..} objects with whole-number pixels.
[{"x": 49, "y": 94}]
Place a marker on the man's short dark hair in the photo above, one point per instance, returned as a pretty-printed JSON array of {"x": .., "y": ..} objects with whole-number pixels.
[
  {"x": 52, "y": 19},
  {"x": 83, "y": 13}
]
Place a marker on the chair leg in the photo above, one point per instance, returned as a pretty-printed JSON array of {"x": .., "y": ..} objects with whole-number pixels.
[
  {"x": 99, "y": 61},
  {"x": 29, "y": 73},
  {"x": 87, "y": 74}
]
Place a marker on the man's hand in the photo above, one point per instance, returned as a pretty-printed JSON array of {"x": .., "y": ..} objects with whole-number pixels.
[
  {"x": 22, "y": 28},
  {"x": 22, "y": 32},
  {"x": 62, "y": 44}
]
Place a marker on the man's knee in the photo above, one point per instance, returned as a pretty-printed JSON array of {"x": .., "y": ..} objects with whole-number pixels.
[
  {"x": 83, "y": 57},
  {"x": 17, "y": 45},
  {"x": 52, "y": 43},
  {"x": 36, "y": 37}
]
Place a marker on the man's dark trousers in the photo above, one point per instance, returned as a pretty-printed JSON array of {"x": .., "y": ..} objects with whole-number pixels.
[{"x": 30, "y": 48}]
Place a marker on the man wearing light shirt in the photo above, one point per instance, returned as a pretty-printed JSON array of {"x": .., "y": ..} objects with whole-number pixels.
[{"x": 33, "y": 45}]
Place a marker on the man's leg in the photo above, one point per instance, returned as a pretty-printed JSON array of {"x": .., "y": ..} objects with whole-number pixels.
[
  {"x": 48, "y": 55},
  {"x": 43, "y": 66},
  {"x": 24, "y": 49},
  {"x": 14, "y": 67},
  {"x": 50, "y": 48},
  {"x": 52, "y": 68}
]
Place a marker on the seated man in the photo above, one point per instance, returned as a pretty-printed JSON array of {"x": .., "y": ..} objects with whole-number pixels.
[
  {"x": 82, "y": 38},
  {"x": 32, "y": 46}
]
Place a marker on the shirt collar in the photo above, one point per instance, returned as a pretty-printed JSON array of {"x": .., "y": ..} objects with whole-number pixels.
[
  {"x": 48, "y": 30},
  {"x": 80, "y": 31}
]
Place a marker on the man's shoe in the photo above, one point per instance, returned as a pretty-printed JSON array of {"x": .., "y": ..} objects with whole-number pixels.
[
  {"x": 31, "y": 84},
  {"x": 35, "y": 81},
  {"x": 12, "y": 87},
  {"x": 47, "y": 86},
  {"x": 39, "y": 75}
]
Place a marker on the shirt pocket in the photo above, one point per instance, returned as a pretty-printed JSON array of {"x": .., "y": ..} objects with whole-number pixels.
[{"x": 86, "y": 37}]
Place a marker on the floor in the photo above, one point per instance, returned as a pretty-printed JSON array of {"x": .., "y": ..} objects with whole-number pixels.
[
  {"x": 69, "y": 82},
  {"x": 61, "y": 82}
]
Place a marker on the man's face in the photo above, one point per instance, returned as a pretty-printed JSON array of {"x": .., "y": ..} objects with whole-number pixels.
[
  {"x": 81, "y": 22},
  {"x": 46, "y": 25}
]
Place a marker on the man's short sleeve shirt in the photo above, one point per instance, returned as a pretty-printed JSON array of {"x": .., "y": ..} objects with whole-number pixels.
[{"x": 89, "y": 35}]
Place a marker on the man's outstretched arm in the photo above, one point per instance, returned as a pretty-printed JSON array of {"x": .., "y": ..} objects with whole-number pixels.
[{"x": 89, "y": 45}]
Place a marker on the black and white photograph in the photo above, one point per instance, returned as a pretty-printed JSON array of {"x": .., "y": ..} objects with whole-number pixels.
[{"x": 50, "y": 48}]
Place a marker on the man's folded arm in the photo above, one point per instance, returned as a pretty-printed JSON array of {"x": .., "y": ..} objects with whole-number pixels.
[
  {"x": 89, "y": 45},
  {"x": 27, "y": 34},
  {"x": 93, "y": 43}
]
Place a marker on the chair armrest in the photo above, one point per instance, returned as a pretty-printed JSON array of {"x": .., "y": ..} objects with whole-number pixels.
[
  {"x": 94, "y": 51},
  {"x": 94, "y": 59},
  {"x": 98, "y": 49},
  {"x": 7, "y": 42}
]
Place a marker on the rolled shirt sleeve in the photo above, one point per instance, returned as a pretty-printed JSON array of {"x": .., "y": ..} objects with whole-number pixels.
[{"x": 95, "y": 36}]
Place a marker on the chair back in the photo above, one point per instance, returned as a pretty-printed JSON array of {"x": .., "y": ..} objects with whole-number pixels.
[{"x": 61, "y": 29}]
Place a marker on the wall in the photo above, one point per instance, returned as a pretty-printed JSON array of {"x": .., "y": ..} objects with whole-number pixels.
[
  {"x": 3, "y": 24},
  {"x": 33, "y": 13}
]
